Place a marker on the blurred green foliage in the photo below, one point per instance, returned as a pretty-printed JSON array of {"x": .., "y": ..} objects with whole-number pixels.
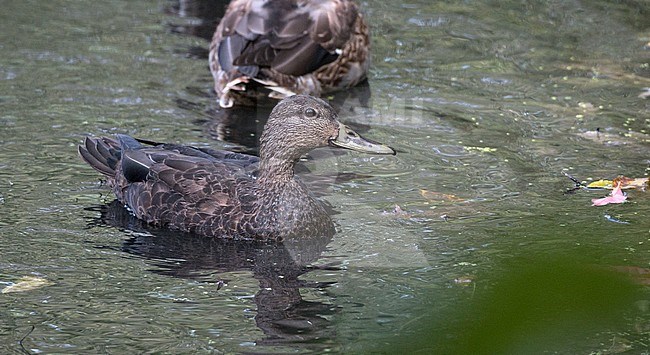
[{"x": 532, "y": 306}]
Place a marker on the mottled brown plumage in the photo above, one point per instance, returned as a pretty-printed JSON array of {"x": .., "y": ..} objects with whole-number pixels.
[
  {"x": 225, "y": 194},
  {"x": 290, "y": 47}
]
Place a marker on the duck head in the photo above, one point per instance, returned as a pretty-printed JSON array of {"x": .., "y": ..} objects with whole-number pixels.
[{"x": 301, "y": 123}]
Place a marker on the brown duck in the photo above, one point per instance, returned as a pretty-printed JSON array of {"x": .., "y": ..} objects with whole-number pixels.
[
  {"x": 289, "y": 47},
  {"x": 225, "y": 194}
]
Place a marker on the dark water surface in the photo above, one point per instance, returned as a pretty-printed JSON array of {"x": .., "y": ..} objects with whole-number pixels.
[{"x": 463, "y": 242}]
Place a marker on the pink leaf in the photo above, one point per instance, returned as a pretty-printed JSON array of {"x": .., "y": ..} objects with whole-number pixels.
[{"x": 616, "y": 196}]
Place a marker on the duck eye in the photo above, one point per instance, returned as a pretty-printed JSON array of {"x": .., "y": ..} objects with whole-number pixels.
[{"x": 310, "y": 112}]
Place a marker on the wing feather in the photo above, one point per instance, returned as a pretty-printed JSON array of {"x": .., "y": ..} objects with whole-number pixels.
[{"x": 288, "y": 36}]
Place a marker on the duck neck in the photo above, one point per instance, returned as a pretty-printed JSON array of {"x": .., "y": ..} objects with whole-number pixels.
[
  {"x": 277, "y": 157},
  {"x": 276, "y": 169}
]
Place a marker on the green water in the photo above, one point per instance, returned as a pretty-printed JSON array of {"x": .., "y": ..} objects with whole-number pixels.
[{"x": 486, "y": 102}]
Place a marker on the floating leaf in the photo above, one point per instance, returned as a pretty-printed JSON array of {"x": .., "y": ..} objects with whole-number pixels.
[
  {"x": 481, "y": 149},
  {"x": 625, "y": 182},
  {"x": 629, "y": 183},
  {"x": 439, "y": 196},
  {"x": 27, "y": 283},
  {"x": 617, "y": 196},
  {"x": 601, "y": 184}
]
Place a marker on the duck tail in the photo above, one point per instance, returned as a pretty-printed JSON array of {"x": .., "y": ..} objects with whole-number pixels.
[{"x": 102, "y": 154}]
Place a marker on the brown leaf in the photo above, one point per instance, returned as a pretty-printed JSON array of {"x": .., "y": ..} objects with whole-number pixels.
[
  {"x": 27, "y": 283},
  {"x": 628, "y": 183},
  {"x": 439, "y": 196}
]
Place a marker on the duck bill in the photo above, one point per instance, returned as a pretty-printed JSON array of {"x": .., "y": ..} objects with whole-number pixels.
[{"x": 350, "y": 139}]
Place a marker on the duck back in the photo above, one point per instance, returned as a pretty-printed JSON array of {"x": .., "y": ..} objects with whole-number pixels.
[{"x": 288, "y": 47}]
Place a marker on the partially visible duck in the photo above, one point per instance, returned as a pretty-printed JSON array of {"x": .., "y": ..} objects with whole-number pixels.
[
  {"x": 310, "y": 47},
  {"x": 225, "y": 194}
]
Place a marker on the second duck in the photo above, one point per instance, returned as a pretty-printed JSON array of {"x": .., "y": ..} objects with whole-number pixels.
[{"x": 287, "y": 47}]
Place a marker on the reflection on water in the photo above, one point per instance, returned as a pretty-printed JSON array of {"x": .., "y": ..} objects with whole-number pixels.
[
  {"x": 281, "y": 312},
  {"x": 195, "y": 18},
  {"x": 202, "y": 17}
]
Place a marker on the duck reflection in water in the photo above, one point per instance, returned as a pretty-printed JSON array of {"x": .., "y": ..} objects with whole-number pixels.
[{"x": 281, "y": 313}]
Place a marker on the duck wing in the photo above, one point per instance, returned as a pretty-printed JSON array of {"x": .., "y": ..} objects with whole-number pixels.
[
  {"x": 227, "y": 157},
  {"x": 178, "y": 184},
  {"x": 292, "y": 37},
  {"x": 200, "y": 190}
]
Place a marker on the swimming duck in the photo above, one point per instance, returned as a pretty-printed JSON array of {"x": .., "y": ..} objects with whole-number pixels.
[
  {"x": 225, "y": 194},
  {"x": 310, "y": 47}
]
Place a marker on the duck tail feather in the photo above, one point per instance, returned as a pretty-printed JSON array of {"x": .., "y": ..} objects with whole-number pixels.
[{"x": 102, "y": 154}]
